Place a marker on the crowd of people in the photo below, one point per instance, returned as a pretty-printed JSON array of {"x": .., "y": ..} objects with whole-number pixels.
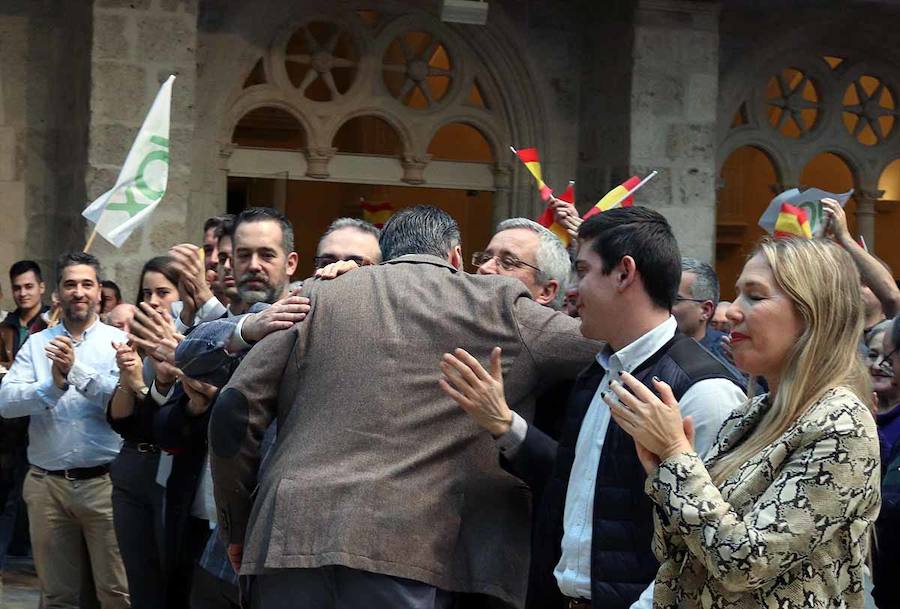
[{"x": 560, "y": 428}]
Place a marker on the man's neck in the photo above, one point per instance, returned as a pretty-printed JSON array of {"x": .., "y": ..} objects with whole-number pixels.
[
  {"x": 237, "y": 306},
  {"x": 26, "y": 315},
  {"x": 700, "y": 333},
  {"x": 638, "y": 326},
  {"x": 77, "y": 328}
]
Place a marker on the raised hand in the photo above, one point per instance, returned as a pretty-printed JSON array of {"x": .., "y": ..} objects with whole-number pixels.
[
  {"x": 61, "y": 351},
  {"x": 655, "y": 423},
  {"x": 200, "y": 394},
  {"x": 477, "y": 392},
  {"x": 130, "y": 366},
  {"x": 280, "y": 316},
  {"x": 193, "y": 285}
]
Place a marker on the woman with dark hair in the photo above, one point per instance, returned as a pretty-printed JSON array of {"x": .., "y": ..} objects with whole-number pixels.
[{"x": 138, "y": 496}]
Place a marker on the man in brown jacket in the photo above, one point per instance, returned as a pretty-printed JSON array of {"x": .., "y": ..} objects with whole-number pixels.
[{"x": 380, "y": 493}]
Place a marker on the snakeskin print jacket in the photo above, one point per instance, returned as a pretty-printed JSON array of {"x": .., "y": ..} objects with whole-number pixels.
[{"x": 788, "y": 530}]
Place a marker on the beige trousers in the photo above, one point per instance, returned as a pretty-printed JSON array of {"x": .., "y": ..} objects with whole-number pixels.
[{"x": 62, "y": 512}]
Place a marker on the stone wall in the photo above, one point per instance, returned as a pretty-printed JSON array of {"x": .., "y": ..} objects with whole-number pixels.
[
  {"x": 44, "y": 58},
  {"x": 136, "y": 45}
]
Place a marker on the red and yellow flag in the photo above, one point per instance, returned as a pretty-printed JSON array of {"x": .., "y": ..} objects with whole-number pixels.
[
  {"x": 550, "y": 222},
  {"x": 792, "y": 222},
  {"x": 614, "y": 197},
  {"x": 529, "y": 156},
  {"x": 376, "y": 213}
]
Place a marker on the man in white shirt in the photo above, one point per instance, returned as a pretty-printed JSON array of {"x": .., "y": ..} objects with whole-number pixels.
[
  {"x": 594, "y": 524},
  {"x": 63, "y": 378}
]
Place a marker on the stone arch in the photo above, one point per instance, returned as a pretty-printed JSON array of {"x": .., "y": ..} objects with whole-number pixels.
[
  {"x": 493, "y": 54},
  {"x": 400, "y": 128},
  {"x": 485, "y": 128}
]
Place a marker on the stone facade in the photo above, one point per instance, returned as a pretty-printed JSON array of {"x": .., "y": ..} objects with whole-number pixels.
[{"x": 604, "y": 92}]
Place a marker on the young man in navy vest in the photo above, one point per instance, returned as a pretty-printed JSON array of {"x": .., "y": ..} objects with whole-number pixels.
[{"x": 594, "y": 524}]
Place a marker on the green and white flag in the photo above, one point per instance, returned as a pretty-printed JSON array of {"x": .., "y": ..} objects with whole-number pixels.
[{"x": 143, "y": 178}]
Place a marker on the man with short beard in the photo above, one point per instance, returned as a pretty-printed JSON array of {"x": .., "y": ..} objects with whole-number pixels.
[{"x": 62, "y": 378}]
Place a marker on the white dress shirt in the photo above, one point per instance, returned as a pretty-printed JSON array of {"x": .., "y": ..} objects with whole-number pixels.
[
  {"x": 68, "y": 427},
  {"x": 709, "y": 402}
]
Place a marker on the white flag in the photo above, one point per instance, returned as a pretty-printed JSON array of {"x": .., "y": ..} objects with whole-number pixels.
[
  {"x": 143, "y": 178},
  {"x": 808, "y": 200}
]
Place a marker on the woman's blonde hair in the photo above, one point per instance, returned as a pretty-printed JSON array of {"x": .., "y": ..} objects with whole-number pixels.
[{"x": 823, "y": 284}]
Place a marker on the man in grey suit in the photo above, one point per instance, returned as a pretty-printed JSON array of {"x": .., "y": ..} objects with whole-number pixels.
[{"x": 380, "y": 492}]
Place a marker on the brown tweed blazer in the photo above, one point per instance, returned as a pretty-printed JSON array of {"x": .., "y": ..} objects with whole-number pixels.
[{"x": 374, "y": 467}]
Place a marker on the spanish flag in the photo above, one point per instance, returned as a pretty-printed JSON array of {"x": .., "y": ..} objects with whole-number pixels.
[
  {"x": 792, "y": 222},
  {"x": 376, "y": 214},
  {"x": 617, "y": 197},
  {"x": 550, "y": 222},
  {"x": 529, "y": 156}
]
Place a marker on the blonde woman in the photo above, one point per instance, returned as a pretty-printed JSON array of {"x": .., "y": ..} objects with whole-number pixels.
[{"x": 779, "y": 514}]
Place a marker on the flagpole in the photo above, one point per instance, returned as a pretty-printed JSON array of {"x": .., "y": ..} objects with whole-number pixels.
[
  {"x": 90, "y": 241},
  {"x": 635, "y": 189}
]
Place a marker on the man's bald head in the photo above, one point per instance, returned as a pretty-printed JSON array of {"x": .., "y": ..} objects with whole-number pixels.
[{"x": 121, "y": 315}]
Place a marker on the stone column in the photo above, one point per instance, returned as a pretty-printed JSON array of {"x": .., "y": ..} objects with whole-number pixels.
[
  {"x": 137, "y": 44},
  {"x": 674, "y": 88},
  {"x": 865, "y": 215},
  {"x": 501, "y": 206}
]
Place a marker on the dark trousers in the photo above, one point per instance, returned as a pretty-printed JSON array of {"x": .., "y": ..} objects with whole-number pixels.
[
  {"x": 137, "y": 502},
  {"x": 210, "y": 592},
  {"x": 337, "y": 587}
]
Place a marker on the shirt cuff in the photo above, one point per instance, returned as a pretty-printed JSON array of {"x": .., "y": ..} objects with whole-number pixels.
[
  {"x": 210, "y": 310},
  {"x": 510, "y": 442},
  {"x": 158, "y": 397},
  {"x": 237, "y": 342},
  {"x": 50, "y": 393},
  {"x": 80, "y": 376}
]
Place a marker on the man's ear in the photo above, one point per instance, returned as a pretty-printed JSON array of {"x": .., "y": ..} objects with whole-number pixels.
[
  {"x": 626, "y": 273},
  {"x": 708, "y": 309},
  {"x": 455, "y": 257},
  {"x": 547, "y": 292},
  {"x": 291, "y": 264}
]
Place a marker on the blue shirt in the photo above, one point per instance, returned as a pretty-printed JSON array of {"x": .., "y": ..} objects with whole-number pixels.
[{"x": 68, "y": 428}]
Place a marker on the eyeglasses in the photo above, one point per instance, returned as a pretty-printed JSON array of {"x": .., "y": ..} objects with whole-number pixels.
[
  {"x": 507, "y": 262},
  {"x": 883, "y": 361},
  {"x": 685, "y": 299},
  {"x": 323, "y": 261}
]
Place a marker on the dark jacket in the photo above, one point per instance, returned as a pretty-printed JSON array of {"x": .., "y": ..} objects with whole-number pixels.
[
  {"x": 886, "y": 553},
  {"x": 622, "y": 564},
  {"x": 9, "y": 334}
]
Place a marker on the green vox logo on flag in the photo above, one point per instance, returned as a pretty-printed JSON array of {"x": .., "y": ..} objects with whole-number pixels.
[{"x": 132, "y": 206}]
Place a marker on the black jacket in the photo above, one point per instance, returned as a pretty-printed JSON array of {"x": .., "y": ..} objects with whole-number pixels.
[{"x": 622, "y": 564}]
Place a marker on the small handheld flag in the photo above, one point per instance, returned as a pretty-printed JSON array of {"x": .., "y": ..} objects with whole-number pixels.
[
  {"x": 548, "y": 220},
  {"x": 142, "y": 181},
  {"x": 792, "y": 222},
  {"x": 531, "y": 160},
  {"x": 620, "y": 196},
  {"x": 809, "y": 200}
]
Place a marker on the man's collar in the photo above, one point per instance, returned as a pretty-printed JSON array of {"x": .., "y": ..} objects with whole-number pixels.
[
  {"x": 632, "y": 355},
  {"x": 421, "y": 259},
  {"x": 85, "y": 333}
]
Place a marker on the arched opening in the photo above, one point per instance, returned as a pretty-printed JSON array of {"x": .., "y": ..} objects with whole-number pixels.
[
  {"x": 747, "y": 178},
  {"x": 269, "y": 127},
  {"x": 830, "y": 172},
  {"x": 887, "y": 216},
  {"x": 460, "y": 142},
  {"x": 368, "y": 135}
]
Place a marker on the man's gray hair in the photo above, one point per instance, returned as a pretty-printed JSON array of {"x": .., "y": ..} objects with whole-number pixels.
[
  {"x": 422, "y": 229},
  {"x": 706, "y": 282},
  {"x": 551, "y": 256},
  {"x": 360, "y": 225}
]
